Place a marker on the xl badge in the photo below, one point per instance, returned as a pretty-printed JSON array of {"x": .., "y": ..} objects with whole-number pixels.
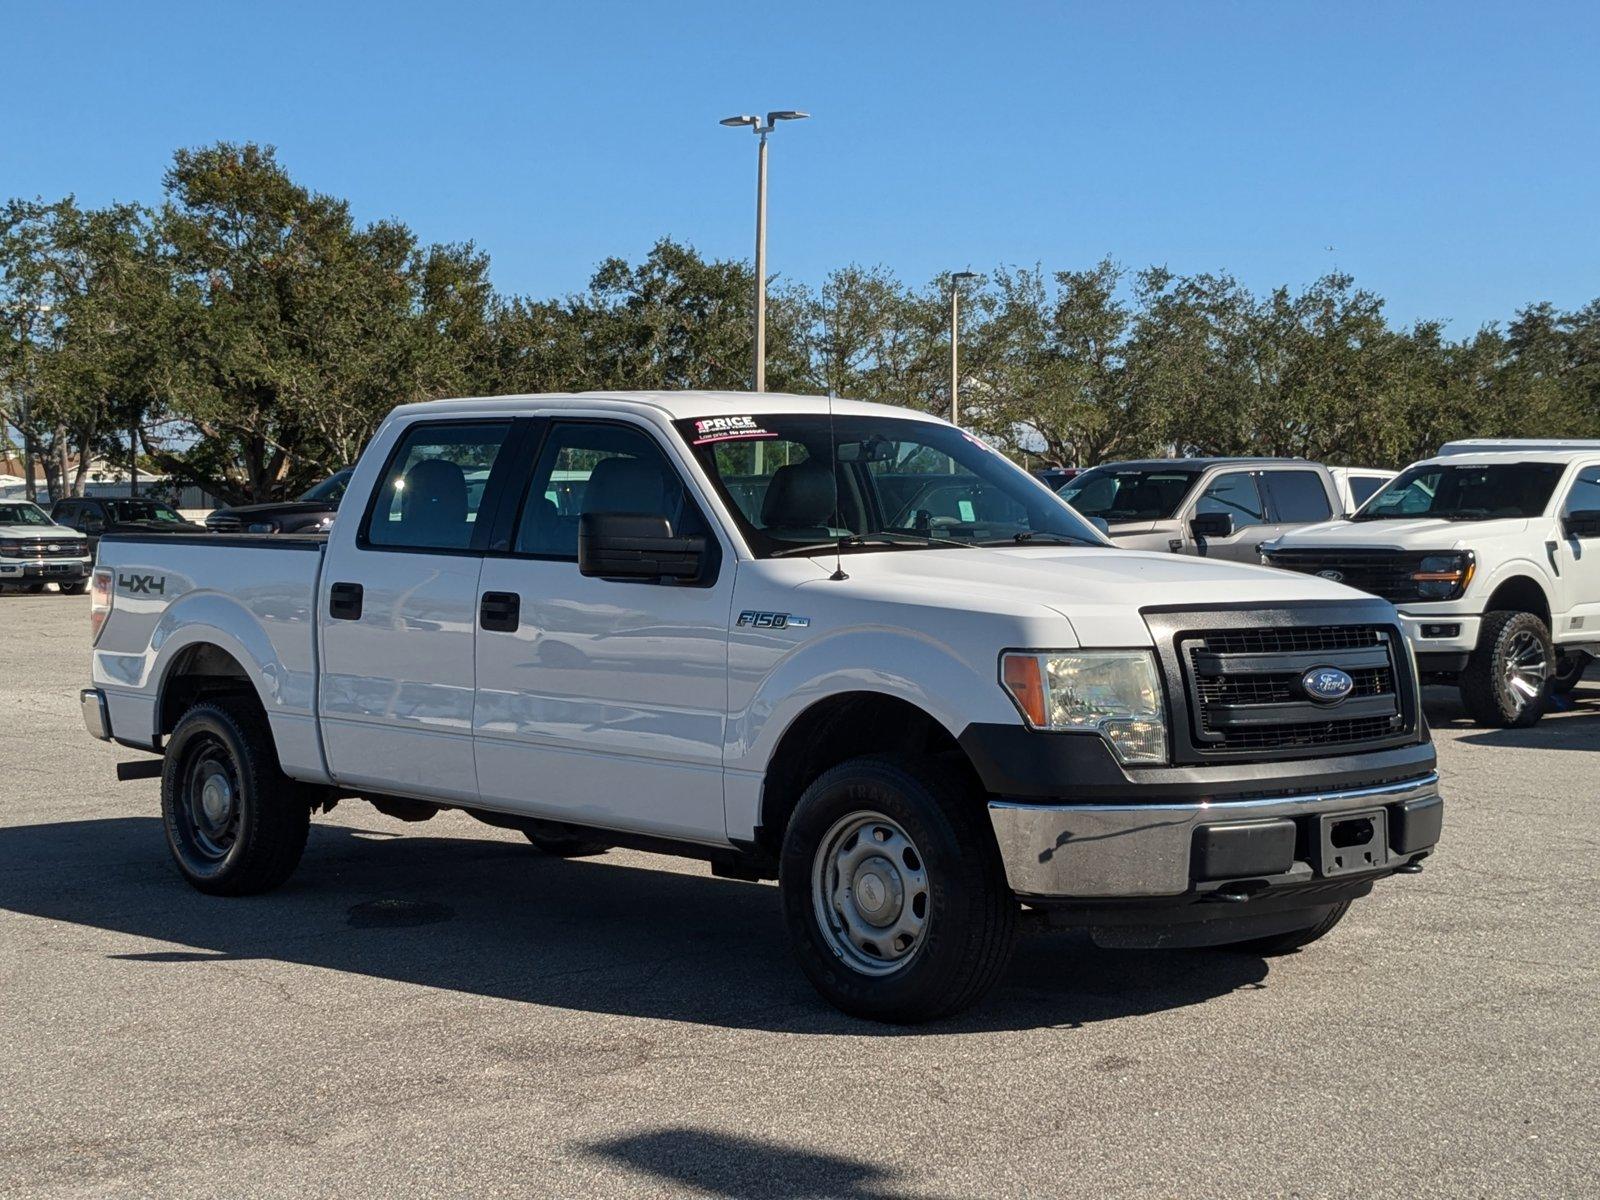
[
  {"x": 1327, "y": 684},
  {"x": 1335, "y": 576}
]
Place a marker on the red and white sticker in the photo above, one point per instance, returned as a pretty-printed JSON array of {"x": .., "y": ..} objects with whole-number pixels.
[{"x": 728, "y": 429}]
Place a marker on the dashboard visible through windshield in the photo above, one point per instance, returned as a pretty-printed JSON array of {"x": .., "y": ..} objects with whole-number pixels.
[
  {"x": 1116, "y": 494},
  {"x": 798, "y": 483},
  {"x": 1466, "y": 492}
]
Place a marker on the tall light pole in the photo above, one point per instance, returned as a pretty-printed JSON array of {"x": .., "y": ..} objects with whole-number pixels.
[
  {"x": 761, "y": 130},
  {"x": 956, "y": 279}
]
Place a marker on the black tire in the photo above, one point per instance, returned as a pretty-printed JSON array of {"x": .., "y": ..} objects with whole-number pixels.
[
  {"x": 75, "y": 589},
  {"x": 1569, "y": 672},
  {"x": 32, "y": 589},
  {"x": 1285, "y": 943},
  {"x": 255, "y": 840},
  {"x": 1503, "y": 639},
  {"x": 968, "y": 914},
  {"x": 556, "y": 840}
]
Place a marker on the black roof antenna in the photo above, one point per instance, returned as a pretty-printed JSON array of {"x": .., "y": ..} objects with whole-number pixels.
[{"x": 833, "y": 469}]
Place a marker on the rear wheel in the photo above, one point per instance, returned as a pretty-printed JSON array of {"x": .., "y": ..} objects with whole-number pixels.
[
  {"x": 1569, "y": 671},
  {"x": 1284, "y": 943},
  {"x": 1507, "y": 679},
  {"x": 893, "y": 891},
  {"x": 235, "y": 823}
]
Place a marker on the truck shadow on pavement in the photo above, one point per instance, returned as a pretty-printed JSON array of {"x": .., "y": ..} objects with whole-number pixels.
[
  {"x": 1572, "y": 723},
  {"x": 726, "y": 1165},
  {"x": 495, "y": 918}
]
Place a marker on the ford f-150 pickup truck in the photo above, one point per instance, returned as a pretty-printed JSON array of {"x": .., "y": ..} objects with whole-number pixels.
[
  {"x": 842, "y": 645},
  {"x": 1491, "y": 553}
]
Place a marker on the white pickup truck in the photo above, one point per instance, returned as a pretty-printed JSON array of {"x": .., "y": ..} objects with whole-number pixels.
[
  {"x": 842, "y": 645},
  {"x": 1491, "y": 552}
]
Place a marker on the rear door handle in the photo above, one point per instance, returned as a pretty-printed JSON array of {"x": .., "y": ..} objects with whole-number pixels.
[
  {"x": 344, "y": 601},
  {"x": 500, "y": 612}
]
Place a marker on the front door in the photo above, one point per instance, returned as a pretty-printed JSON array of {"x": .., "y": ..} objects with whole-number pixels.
[
  {"x": 1238, "y": 494},
  {"x": 600, "y": 701},
  {"x": 399, "y": 616},
  {"x": 1579, "y": 562}
]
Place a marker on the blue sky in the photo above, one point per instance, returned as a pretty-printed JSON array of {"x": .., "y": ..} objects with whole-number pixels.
[{"x": 1448, "y": 153}]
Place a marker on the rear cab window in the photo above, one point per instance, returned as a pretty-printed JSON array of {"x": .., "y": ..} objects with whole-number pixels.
[
  {"x": 433, "y": 486},
  {"x": 1298, "y": 497}
]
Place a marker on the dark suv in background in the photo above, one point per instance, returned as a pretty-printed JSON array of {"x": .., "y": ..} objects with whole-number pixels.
[{"x": 311, "y": 513}]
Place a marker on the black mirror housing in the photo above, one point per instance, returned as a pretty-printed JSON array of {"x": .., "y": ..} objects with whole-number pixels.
[
  {"x": 636, "y": 546},
  {"x": 1585, "y": 523},
  {"x": 1212, "y": 525}
]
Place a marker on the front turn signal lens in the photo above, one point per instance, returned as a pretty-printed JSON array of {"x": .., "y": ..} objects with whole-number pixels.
[{"x": 1025, "y": 681}]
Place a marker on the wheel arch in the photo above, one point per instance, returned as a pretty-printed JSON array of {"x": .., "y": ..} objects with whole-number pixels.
[
  {"x": 837, "y": 728},
  {"x": 1520, "y": 593}
]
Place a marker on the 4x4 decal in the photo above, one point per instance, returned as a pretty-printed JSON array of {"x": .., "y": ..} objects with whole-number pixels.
[{"x": 142, "y": 584}]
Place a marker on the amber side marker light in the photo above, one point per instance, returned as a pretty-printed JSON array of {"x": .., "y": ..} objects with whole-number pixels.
[{"x": 1025, "y": 681}]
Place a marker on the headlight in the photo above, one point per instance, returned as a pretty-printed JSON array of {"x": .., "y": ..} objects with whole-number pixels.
[
  {"x": 262, "y": 527},
  {"x": 1444, "y": 576},
  {"x": 1115, "y": 693},
  {"x": 325, "y": 523}
]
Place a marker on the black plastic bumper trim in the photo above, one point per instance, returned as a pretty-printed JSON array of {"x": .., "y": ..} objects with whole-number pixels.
[{"x": 1024, "y": 764}]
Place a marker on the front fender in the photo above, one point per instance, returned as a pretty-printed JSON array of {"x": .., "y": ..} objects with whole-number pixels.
[{"x": 906, "y": 664}]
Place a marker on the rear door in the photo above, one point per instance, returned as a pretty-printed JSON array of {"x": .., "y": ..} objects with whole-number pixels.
[
  {"x": 602, "y": 701},
  {"x": 399, "y": 602},
  {"x": 1579, "y": 561}
]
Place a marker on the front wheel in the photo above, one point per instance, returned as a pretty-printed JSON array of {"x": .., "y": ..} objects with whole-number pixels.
[
  {"x": 893, "y": 891},
  {"x": 1506, "y": 682},
  {"x": 77, "y": 588},
  {"x": 236, "y": 824}
]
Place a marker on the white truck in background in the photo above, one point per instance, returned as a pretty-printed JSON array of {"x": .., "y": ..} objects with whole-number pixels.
[
  {"x": 842, "y": 645},
  {"x": 1491, "y": 553}
]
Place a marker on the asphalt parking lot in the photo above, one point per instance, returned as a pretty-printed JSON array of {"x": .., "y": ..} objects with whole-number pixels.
[{"x": 435, "y": 1009}]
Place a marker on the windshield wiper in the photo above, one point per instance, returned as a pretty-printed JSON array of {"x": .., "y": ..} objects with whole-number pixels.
[
  {"x": 877, "y": 538},
  {"x": 1029, "y": 535}
]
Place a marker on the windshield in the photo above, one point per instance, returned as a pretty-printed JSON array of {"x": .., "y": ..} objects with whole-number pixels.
[
  {"x": 331, "y": 489},
  {"x": 143, "y": 510},
  {"x": 23, "y": 514},
  {"x": 873, "y": 483},
  {"x": 1465, "y": 493},
  {"x": 1124, "y": 493}
]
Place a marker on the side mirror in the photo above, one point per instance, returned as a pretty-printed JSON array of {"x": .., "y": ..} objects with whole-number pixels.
[
  {"x": 1212, "y": 525},
  {"x": 636, "y": 546},
  {"x": 1585, "y": 523}
]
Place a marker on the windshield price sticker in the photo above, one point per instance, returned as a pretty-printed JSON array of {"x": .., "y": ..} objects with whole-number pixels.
[{"x": 728, "y": 429}]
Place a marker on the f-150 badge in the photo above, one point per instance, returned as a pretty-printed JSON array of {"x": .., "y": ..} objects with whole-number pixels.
[{"x": 769, "y": 620}]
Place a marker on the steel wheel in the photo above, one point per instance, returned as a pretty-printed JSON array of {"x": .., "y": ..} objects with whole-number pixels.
[
  {"x": 1522, "y": 679},
  {"x": 869, "y": 886},
  {"x": 211, "y": 805}
]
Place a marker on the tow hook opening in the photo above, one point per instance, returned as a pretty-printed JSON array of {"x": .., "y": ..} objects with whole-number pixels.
[{"x": 1240, "y": 890}]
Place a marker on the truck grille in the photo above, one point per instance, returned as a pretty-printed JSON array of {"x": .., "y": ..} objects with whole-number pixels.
[
  {"x": 1385, "y": 573},
  {"x": 218, "y": 524},
  {"x": 1238, "y": 680},
  {"x": 44, "y": 547}
]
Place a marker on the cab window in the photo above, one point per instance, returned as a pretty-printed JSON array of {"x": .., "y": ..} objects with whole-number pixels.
[
  {"x": 1298, "y": 497},
  {"x": 1585, "y": 493},
  {"x": 431, "y": 492},
  {"x": 1237, "y": 495},
  {"x": 598, "y": 467}
]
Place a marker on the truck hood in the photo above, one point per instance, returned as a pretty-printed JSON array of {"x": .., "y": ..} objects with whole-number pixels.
[
  {"x": 1099, "y": 591},
  {"x": 1405, "y": 533},
  {"x": 40, "y": 531}
]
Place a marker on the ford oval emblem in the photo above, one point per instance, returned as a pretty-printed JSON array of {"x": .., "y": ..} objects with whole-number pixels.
[
  {"x": 1335, "y": 576},
  {"x": 1327, "y": 684}
]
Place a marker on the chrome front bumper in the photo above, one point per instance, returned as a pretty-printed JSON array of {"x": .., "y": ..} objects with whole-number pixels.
[{"x": 1110, "y": 851}]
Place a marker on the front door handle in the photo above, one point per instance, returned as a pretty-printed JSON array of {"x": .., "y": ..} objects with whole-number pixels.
[
  {"x": 500, "y": 612},
  {"x": 344, "y": 601}
]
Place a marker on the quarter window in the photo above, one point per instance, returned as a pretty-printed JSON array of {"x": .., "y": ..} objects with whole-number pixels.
[
  {"x": 1235, "y": 494},
  {"x": 431, "y": 493}
]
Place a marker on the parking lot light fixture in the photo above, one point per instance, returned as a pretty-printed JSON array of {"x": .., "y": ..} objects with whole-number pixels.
[
  {"x": 956, "y": 280},
  {"x": 761, "y": 130}
]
